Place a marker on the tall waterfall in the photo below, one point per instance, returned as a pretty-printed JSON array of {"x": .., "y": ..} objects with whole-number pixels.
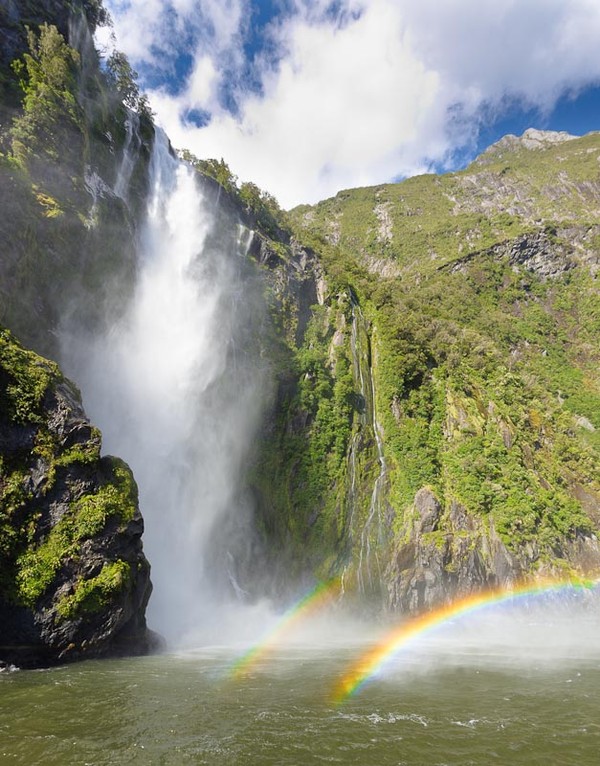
[{"x": 175, "y": 386}]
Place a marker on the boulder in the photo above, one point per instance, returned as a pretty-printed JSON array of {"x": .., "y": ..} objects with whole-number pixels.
[{"x": 74, "y": 581}]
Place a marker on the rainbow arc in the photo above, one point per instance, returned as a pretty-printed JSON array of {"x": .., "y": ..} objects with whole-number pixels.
[
  {"x": 321, "y": 595},
  {"x": 370, "y": 663}
]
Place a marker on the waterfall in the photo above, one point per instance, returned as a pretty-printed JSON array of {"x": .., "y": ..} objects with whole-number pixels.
[
  {"x": 364, "y": 378},
  {"x": 130, "y": 153},
  {"x": 175, "y": 384}
]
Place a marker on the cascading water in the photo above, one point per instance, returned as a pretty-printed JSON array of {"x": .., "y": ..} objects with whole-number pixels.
[
  {"x": 130, "y": 152},
  {"x": 363, "y": 376},
  {"x": 176, "y": 388}
]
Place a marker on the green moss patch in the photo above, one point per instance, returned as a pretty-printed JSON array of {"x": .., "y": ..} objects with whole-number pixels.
[
  {"x": 92, "y": 595},
  {"x": 27, "y": 377},
  {"x": 86, "y": 518}
]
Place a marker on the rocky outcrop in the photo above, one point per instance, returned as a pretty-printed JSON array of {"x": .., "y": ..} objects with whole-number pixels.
[
  {"x": 538, "y": 252},
  {"x": 74, "y": 581},
  {"x": 447, "y": 555},
  {"x": 531, "y": 139}
]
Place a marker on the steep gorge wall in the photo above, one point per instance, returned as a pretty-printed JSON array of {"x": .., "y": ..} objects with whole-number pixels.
[
  {"x": 483, "y": 361},
  {"x": 67, "y": 229},
  {"x": 74, "y": 581}
]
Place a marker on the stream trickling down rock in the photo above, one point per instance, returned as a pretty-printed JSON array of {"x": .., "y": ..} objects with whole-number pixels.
[{"x": 368, "y": 571}]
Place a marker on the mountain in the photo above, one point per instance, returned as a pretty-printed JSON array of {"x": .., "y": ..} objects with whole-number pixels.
[
  {"x": 423, "y": 357},
  {"x": 441, "y": 432}
]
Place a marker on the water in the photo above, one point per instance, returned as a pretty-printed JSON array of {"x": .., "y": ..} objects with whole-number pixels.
[
  {"x": 129, "y": 156},
  {"x": 519, "y": 685},
  {"x": 368, "y": 575},
  {"x": 466, "y": 698},
  {"x": 175, "y": 384}
]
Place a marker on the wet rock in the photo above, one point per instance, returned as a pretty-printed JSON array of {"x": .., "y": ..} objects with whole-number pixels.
[
  {"x": 428, "y": 510},
  {"x": 74, "y": 581}
]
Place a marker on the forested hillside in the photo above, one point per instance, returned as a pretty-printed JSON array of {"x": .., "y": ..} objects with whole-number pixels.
[
  {"x": 428, "y": 355},
  {"x": 444, "y": 428}
]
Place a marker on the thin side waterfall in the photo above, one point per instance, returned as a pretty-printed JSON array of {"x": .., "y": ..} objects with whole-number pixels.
[
  {"x": 245, "y": 239},
  {"x": 363, "y": 375},
  {"x": 177, "y": 399},
  {"x": 130, "y": 152}
]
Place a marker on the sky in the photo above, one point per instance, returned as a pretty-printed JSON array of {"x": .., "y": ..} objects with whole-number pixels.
[{"x": 308, "y": 97}]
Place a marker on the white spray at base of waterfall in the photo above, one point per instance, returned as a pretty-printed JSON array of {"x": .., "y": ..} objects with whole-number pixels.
[{"x": 161, "y": 384}]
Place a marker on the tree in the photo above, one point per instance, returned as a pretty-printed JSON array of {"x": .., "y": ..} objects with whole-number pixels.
[
  {"x": 124, "y": 78},
  {"x": 47, "y": 75}
]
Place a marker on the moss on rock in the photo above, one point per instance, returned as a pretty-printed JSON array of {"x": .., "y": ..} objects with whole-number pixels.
[{"x": 70, "y": 549}]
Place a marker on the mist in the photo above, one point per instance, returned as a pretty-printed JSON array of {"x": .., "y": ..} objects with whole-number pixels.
[
  {"x": 543, "y": 634},
  {"x": 177, "y": 388}
]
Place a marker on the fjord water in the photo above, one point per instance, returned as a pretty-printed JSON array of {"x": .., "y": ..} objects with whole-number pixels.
[{"x": 519, "y": 689}]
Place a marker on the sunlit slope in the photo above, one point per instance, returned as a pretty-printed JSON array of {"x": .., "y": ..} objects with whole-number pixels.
[
  {"x": 516, "y": 187},
  {"x": 481, "y": 307}
]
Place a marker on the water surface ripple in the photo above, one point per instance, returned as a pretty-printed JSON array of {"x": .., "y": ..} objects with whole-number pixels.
[{"x": 478, "y": 708}]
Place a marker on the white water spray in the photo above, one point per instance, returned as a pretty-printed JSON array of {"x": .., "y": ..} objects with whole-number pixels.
[
  {"x": 174, "y": 395},
  {"x": 130, "y": 152}
]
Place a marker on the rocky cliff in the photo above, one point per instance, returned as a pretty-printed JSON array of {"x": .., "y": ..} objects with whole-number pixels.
[
  {"x": 74, "y": 150},
  {"x": 440, "y": 431},
  {"x": 74, "y": 581}
]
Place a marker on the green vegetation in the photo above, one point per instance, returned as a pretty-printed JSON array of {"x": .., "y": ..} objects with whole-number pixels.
[
  {"x": 93, "y": 594},
  {"x": 27, "y": 378},
  {"x": 269, "y": 217},
  {"x": 47, "y": 75},
  {"x": 124, "y": 80},
  {"x": 301, "y": 474},
  {"x": 485, "y": 367},
  {"x": 216, "y": 169}
]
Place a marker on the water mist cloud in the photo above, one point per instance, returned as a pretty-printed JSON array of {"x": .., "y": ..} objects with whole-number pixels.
[
  {"x": 177, "y": 391},
  {"x": 356, "y": 92}
]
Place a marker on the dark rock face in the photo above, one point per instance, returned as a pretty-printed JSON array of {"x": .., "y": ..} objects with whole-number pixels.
[
  {"x": 451, "y": 555},
  {"x": 74, "y": 581},
  {"x": 536, "y": 253},
  {"x": 15, "y": 16}
]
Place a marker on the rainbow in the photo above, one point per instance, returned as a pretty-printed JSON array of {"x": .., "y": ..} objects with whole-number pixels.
[
  {"x": 371, "y": 662},
  {"x": 323, "y": 593}
]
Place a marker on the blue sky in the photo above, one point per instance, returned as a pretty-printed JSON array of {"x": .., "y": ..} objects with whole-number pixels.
[{"x": 307, "y": 97}]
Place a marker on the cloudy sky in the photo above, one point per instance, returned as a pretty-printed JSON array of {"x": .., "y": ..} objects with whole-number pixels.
[{"x": 307, "y": 97}]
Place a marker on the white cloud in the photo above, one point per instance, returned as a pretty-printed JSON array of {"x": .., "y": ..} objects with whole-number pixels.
[
  {"x": 381, "y": 90},
  {"x": 203, "y": 83}
]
